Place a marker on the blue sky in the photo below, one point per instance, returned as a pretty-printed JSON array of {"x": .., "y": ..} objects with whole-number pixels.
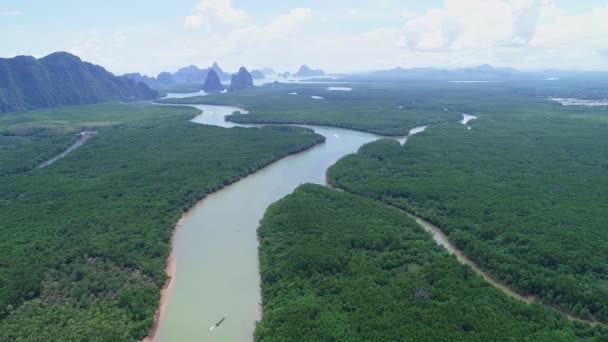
[{"x": 339, "y": 35}]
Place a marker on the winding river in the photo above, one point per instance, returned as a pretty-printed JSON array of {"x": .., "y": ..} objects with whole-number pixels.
[
  {"x": 215, "y": 246},
  {"x": 214, "y": 263},
  {"x": 215, "y": 259}
]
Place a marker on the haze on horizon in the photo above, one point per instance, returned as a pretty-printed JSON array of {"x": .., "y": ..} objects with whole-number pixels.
[{"x": 338, "y": 36}]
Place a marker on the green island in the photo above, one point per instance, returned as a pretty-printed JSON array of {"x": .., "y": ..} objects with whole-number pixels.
[
  {"x": 341, "y": 267},
  {"x": 84, "y": 242},
  {"x": 523, "y": 193}
]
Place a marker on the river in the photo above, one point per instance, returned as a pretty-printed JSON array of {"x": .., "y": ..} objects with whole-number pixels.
[
  {"x": 215, "y": 257},
  {"x": 215, "y": 246}
]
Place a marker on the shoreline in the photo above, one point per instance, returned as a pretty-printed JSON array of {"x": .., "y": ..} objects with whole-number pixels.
[
  {"x": 166, "y": 289},
  {"x": 170, "y": 268}
]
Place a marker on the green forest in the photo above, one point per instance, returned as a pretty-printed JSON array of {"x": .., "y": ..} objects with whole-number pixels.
[
  {"x": 29, "y": 138},
  {"x": 83, "y": 242},
  {"x": 340, "y": 267},
  {"x": 521, "y": 191},
  {"x": 524, "y": 193},
  {"x": 381, "y": 108}
]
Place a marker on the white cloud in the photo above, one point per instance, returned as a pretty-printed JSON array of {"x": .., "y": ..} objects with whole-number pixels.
[
  {"x": 278, "y": 27},
  {"x": 519, "y": 33},
  {"x": 353, "y": 12},
  {"x": 522, "y": 33},
  {"x": 249, "y": 45},
  {"x": 119, "y": 39},
  {"x": 10, "y": 13},
  {"x": 215, "y": 11},
  {"x": 460, "y": 24}
]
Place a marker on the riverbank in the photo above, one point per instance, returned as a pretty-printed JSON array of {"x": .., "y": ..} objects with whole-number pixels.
[
  {"x": 356, "y": 173},
  {"x": 164, "y": 292},
  {"x": 216, "y": 248},
  {"x": 338, "y": 264},
  {"x": 443, "y": 240}
]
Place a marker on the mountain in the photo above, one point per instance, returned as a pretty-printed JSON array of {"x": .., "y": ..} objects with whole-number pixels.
[
  {"x": 241, "y": 80},
  {"x": 193, "y": 73},
  {"x": 165, "y": 78},
  {"x": 62, "y": 79},
  {"x": 224, "y": 76},
  {"x": 190, "y": 74},
  {"x": 213, "y": 82},
  {"x": 162, "y": 78},
  {"x": 479, "y": 73},
  {"x": 268, "y": 71},
  {"x": 305, "y": 71},
  {"x": 137, "y": 77},
  {"x": 257, "y": 74}
]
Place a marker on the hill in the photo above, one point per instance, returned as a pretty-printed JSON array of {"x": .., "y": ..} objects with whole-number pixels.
[
  {"x": 62, "y": 79},
  {"x": 212, "y": 83},
  {"x": 305, "y": 71},
  {"x": 241, "y": 80},
  {"x": 191, "y": 73}
]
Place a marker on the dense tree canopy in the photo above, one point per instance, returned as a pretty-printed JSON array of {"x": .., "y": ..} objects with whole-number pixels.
[
  {"x": 83, "y": 242},
  {"x": 524, "y": 193},
  {"x": 339, "y": 267},
  {"x": 377, "y": 108},
  {"x": 29, "y": 138}
]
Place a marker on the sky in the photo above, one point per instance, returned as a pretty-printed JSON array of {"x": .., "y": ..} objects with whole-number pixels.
[{"x": 151, "y": 36}]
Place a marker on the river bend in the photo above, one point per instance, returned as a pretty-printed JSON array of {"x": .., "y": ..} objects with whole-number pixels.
[{"x": 215, "y": 256}]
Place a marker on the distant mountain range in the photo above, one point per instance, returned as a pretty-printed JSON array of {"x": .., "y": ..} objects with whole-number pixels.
[
  {"x": 481, "y": 72},
  {"x": 258, "y": 74},
  {"x": 193, "y": 73},
  {"x": 62, "y": 79},
  {"x": 268, "y": 71},
  {"x": 305, "y": 71}
]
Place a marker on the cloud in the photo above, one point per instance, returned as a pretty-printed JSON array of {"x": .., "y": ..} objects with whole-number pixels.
[
  {"x": 278, "y": 27},
  {"x": 251, "y": 44},
  {"x": 254, "y": 43},
  {"x": 215, "y": 11},
  {"x": 378, "y": 11},
  {"x": 520, "y": 33},
  {"x": 460, "y": 24},
  {"x": 526, "y": 15},
  {"x": 119, "y": 39},
  {"x": 472, "y": 23},
  {"x": 10, "y": 13}
]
